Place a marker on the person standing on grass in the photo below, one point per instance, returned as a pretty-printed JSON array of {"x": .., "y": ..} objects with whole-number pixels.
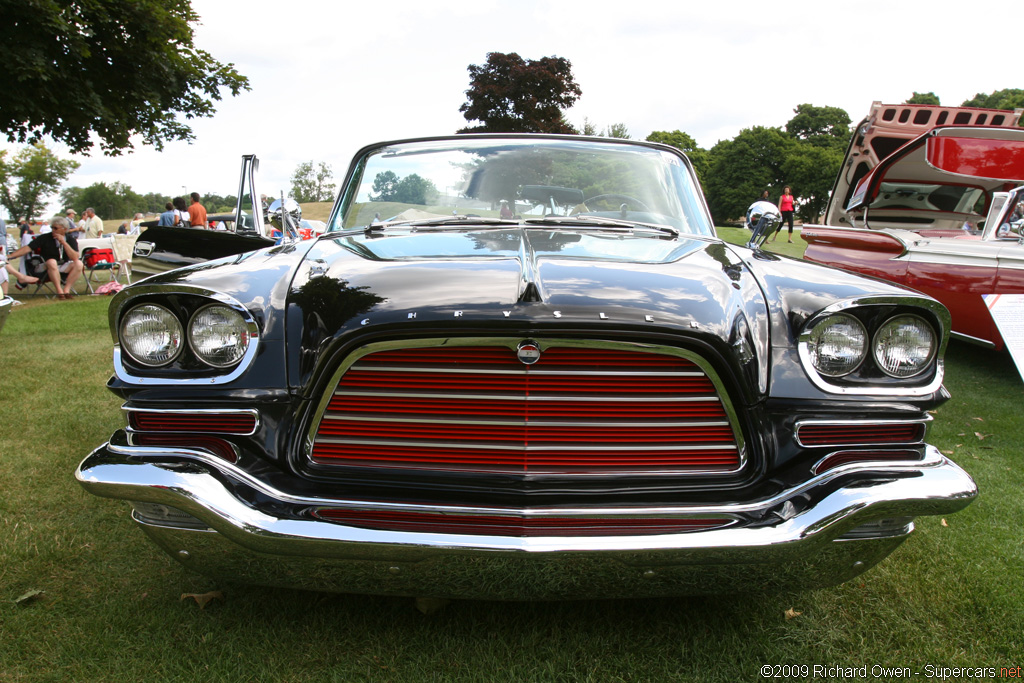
[
  {"x": 92, "y": 223},
  {"x": 196, "y": 212},
  {"x": 60, "y": 252},
  {"x": 786, "y": 206}
]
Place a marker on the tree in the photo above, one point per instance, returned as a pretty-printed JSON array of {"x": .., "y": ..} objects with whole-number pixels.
[
  {"x": 30, "y": 177},
  {"x": 415, "y": 189},
  {"x": 685, "y": 143},
  {"x": 384, "y": 184},
  {"x": 311, "y": 184},
  {"x": 742, "y": 168},
  {"x": 115, "y": 200},
  {"x": 923, "y": 98},
  {"x": 820, "y": 126},
  {"x": 1009, "y": 99},
  {"x": 509, "y": 94},
  {"x": 106, "y": 67},
  {"x": 616, "y": 130},
  {"x": 811, "y": 170}
]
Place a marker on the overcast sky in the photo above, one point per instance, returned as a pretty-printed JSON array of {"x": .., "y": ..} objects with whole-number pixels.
[{"x": 330, "y": 77}]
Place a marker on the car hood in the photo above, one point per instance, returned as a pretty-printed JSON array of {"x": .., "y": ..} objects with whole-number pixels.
[
  {"x": 925, "y": 166},
  {"x": 465, "y": 281}
]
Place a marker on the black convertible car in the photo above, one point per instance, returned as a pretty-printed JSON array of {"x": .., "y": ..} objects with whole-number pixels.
[{"x": 525, "y": 367}]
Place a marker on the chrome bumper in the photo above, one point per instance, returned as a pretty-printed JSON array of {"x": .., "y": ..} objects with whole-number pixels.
[{"x": 809, "y": 536}]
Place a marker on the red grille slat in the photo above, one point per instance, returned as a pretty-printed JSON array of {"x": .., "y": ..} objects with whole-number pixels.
[
  {"x": 217, "y": 423},
  {"x": 500, "y": 409},
  {"x": 218, "y": 447},
  {"x": 575, "y": 409},
  {"x": 497, "y": 525},
  {"x": 845, "y": 434},
  {"x": 482, "y": 458},
  {"x": 527, "y": 432}
]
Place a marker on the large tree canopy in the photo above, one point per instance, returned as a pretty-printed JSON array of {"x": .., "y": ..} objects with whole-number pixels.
[
  {"x": 30, "y": 177},
  {"x": 744, "y": 167},
  {"x": 820, "y": 126},
  {"x": 113, "y": 68},
  {"x": 923, "y": 98},
  {"x": 1008, "y": 98},
  {"x": 509, "y": 94}
]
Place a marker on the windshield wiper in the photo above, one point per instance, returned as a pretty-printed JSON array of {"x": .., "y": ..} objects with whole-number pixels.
[
  {"x": 441, "y": 221},
  {"x": 602, "y": 222}
]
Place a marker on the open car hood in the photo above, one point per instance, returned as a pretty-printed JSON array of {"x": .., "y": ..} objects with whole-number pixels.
[{"x": 925, "y": 166}]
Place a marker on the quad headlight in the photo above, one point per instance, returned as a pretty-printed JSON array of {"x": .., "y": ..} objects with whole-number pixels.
[
  {"x": 218, "y": 335},
  {"x": 904, "y": 346},
  {"x": 151, "y": 335},
  {"x": 837, "y": 345}
]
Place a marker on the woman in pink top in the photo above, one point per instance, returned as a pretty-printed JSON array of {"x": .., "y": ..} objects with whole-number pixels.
[{"x": 786, "y": 207}]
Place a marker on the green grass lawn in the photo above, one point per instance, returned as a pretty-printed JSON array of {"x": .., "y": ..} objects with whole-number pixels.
[{"x": 110, "y": 607}]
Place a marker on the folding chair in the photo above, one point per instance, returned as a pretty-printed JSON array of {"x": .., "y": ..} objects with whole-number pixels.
[
  {"x": 35, "y": 265},
  {"x": 99, "y": 258}
]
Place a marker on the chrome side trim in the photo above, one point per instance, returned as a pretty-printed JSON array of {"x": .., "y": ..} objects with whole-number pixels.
[
  {"x": 856, "y": 423},
  {"x": 123, "y": 299},
  {"x": 973, "y": 340},
  {"x": 936, "y": 308}
]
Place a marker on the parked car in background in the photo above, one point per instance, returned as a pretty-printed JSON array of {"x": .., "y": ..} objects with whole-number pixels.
[
  {"x": 545, "y": 377},
  {"x": 928, "y": 198},
  {"x": 252, "y": 225}
]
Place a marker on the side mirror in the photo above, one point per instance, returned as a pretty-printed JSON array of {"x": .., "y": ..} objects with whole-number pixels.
[
  {"x": 762, "y": 219},
  {"x": 285, "y": 214}
]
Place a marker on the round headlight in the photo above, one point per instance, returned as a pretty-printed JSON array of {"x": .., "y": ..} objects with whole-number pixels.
[
  {"x": 219, "y": 335},
  {"x": 904, "y": 346},
  {"x": 151, "y": 335},
  {"x": 837, "y": 345}
]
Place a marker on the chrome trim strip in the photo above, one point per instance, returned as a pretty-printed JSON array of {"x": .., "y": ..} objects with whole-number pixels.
[
  {"x": 858, "y": 423},
  {"x": 512, "y": 344},
  {"x": 520, "y": 423},
  {"x": 127, "y": 296},
  {"x": 865, "y": 462},
  {"x": 973, "y": 340},
  {"x": 197, "y": 411},
  {"x": 524, "y": 371},
  {"x": 519, "y": 397},
  {"x": 633, "y": 447},
  {"x": 936, "y": 308}
]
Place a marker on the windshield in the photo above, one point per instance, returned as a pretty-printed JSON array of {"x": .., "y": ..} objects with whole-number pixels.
[{"x": 521, "y": 179}]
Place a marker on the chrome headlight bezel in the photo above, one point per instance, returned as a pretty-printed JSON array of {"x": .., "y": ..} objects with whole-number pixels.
[
  {"x": 164, "y": 316},
  {"x": 836, "y": 330},
  {"x": 234, "y": 319},
  {"x": 873, "y": 311},
  {"x": 884, "y": 329},
  {"x": 186, "y": 369}
]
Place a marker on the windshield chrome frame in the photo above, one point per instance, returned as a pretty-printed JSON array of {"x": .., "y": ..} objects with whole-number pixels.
[{"x": 350, "y": 186}]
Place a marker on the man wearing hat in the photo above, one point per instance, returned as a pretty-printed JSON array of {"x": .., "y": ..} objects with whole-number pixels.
[{"x": 76, "y": 229}]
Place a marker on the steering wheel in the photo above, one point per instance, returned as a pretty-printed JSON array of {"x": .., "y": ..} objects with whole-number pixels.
[{"x": 625, "y": 198}]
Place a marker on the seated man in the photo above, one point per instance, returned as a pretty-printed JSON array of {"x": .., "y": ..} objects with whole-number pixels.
[{"x": 60, "y": 252}]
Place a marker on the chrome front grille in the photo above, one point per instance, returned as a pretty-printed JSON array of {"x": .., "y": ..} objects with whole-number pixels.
[{"x": 581, "y": 408}]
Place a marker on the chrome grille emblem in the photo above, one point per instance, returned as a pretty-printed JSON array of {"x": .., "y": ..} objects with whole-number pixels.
[{"x": 528, "y": 352}]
